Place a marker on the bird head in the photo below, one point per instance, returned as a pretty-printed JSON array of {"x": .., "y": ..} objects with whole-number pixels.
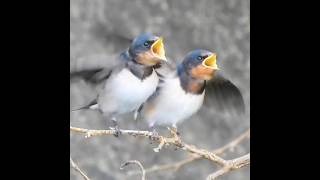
[
  {"x": 200, "y": 64},
  {"x": 148, "y": 49}
]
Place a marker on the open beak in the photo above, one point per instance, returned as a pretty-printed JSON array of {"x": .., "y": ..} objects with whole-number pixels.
[
  {"x": 157, "y": 49},
  {"x": 211, "y": 62}
]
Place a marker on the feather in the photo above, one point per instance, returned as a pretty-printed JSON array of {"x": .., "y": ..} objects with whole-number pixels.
[
  {"x": 94, "y": 69},
  {"x": 224, "y": 96}
]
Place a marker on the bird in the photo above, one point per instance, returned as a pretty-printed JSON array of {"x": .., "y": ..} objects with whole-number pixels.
[
  {"x": 130, "y": 81},
  {"x": 183, "y": 89}
]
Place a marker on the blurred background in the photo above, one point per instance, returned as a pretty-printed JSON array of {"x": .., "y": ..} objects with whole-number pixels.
[{"x": 106, "y": 27}]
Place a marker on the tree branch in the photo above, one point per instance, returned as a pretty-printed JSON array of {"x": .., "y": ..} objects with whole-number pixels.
[
  {"x": 231, "y": 165},
  {"x": 176, "y": 166},
  {"x": 90, "y": 133},
  {"x": 163, "y": 141},
  {"x": 75, "y": 167},
  {"x": 227, "y": 165}
]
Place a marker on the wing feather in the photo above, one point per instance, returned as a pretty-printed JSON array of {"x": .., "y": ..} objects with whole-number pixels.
[{"x": 224, "y": 96}]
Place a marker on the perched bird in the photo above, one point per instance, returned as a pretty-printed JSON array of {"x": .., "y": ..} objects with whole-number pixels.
[
  {"x": 130, "y": 81},
  {"x": 182, "y": 91}
]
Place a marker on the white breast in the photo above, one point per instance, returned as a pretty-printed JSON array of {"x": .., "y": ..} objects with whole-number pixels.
[
  {"x": 173, "y": 104},
  {"x": 124, "y": 92}
]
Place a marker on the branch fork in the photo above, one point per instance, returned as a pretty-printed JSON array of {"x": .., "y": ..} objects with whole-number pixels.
[{"x": 175, "y": 140}]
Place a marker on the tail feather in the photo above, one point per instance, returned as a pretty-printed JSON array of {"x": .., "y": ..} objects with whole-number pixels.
[{"x": 137, "y": 112}]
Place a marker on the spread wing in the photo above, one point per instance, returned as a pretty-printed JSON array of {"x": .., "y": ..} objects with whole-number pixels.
[
  {"x": 95, "y": 68},
  {"x": 224, "y": 96}
]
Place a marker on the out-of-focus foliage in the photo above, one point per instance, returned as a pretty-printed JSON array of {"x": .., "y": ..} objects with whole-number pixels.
[{"x": 105, "y": 26}]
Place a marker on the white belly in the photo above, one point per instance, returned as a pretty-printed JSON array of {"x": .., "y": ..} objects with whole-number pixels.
[
  {"x": 173, "y": 105},
  {"x": 124, "y": 92}
]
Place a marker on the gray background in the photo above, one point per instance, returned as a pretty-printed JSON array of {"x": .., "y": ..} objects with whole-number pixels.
[{"x": 103, "y": 27}]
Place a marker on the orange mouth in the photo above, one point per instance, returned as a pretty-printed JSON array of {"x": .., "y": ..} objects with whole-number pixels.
[
  {"x": 211, "y": 62},
  {"x": 158, "y": 49}
]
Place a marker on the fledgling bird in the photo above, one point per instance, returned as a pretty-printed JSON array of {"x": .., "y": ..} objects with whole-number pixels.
[
  {"x": 181, "y": 93},
  {"x": 132, "y": 80}
]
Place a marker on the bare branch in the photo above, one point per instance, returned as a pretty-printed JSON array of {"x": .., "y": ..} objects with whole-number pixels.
[
  {"x": 163, "y": 141},
  {"x": 231, "y": 165},
  {"x": 90, "y": 133},
  {"x": 231, "y": 145},
  {"x": 227, "y": 165},
  {"x": 139, "y": 164},
  {"x": 176, "y": 166},
  {"x": 76, "y": 167}
]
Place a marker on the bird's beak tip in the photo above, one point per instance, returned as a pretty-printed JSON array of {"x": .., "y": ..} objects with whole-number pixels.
[
  {"x": 211, "y": 62},
  {"x": 157, "y": 49}
]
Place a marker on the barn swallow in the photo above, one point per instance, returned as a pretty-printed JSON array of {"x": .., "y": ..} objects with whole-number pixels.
[
  {"x": 181, "y": 93},
  {"x": 132, "y": 80}
]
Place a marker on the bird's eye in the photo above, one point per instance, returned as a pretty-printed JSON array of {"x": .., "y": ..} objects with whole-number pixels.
[
  {"x": 147, "y": 43},
  {"x": 199, "y": 58}
]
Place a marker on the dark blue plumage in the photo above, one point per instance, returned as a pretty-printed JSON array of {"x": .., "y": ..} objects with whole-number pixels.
[
  {"x": 141, "y": 44},
  {"x": 193, "y": 59}
]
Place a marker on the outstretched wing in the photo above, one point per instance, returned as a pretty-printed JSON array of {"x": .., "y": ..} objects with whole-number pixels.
[
  {"x": 224, "y": 96},
  {"x": 95, "y": 71},
  {"x": 94, "y": 76},
  {"x": 94, "y": 68}
]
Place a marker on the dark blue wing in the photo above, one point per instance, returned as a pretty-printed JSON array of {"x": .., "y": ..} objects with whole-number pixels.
[{"x": 224, "y": 96}]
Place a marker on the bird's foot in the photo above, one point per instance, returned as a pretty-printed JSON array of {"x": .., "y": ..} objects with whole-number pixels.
[
  {"x": 162, "y": 142},
  {"x": 116, "y": 129},
  {"x": 155, "y": 135},
  {"x": 173, "y": 139},
  {"x": 174, "y": 132}
]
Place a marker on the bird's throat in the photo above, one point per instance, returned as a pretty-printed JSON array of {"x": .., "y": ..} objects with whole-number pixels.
[
  {"x": 191, "y": 85},
  {"x": 139, "y": 70}
]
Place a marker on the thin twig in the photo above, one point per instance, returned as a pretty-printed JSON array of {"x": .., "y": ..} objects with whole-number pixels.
[
  {"x": 231, "y": 165},
  {"x": 139, "y": 164},
  {"x": 76, "y": 167},
  {"x": 174, "y": 167}
]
